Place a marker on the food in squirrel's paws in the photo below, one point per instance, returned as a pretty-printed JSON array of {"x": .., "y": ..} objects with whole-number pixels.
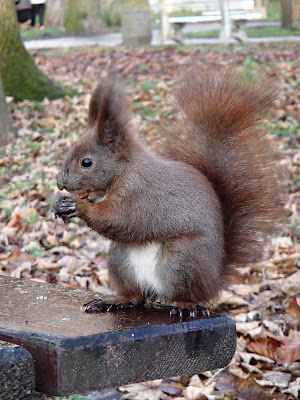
[{"x": 82, "y": 196}]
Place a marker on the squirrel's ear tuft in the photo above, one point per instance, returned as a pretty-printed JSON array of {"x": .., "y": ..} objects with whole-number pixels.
[{"x": 108, "y": 113}]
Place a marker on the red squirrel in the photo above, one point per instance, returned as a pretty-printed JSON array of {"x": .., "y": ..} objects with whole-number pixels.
[{"x": 183, "y": 222}]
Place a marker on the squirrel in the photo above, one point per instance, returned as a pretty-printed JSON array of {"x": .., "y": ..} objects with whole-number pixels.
[{"x": 181, "y": 222}]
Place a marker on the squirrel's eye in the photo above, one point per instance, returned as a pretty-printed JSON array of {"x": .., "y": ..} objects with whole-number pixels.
[{"x": 86, "y": 162}]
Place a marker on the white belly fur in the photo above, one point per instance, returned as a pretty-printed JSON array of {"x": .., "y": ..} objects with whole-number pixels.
[{"x": 143, "y": 260}]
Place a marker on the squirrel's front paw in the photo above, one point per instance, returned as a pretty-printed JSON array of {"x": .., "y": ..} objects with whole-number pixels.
[{"x": 65, "y": 208}]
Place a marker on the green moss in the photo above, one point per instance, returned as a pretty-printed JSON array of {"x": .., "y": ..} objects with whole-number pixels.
[
  {"x": 21, "y": 77},
  {"x": 23, "y": 80},
  {"x": 73, "y": 18}
]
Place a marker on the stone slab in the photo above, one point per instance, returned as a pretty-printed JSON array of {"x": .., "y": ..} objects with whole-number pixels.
[{"x": 76, "y": 352}]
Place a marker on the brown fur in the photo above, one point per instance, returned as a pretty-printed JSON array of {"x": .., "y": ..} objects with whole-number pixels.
[
  {"x": 221, "y": 117},
  {"x": 203, "y": 208}
]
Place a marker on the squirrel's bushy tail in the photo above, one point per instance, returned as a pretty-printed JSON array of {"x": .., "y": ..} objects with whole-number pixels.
[{"x": 220, "y": 133}]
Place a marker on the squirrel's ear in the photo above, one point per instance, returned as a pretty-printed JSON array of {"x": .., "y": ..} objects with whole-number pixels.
[{"x": 108, "y": 112}]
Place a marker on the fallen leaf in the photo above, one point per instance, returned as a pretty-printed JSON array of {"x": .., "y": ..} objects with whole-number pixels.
[
  {"x": 255, "y": 333},
  {"x": 248, "y": 389},
  {"x": 289, "y": 351},
  {"x": 294, "y": 308},
  {"x": 14, "y": 221},
  {"x": 247, "y": 357},
  {"x": 251, "y": 368},
  {"x": 239, "y": 373},
  {"x": 196, "y": 381},
  {"x": 147, "y": 394},
  {"x": 265, "y": 346},
  {"x": 275, "y": 378},
  {"x": 272, "y": 327},
  {"x": 231, "y": 300},
  {"x": 289, "y": 285},
  {"x": 294, "y": 388},
  {"x": 195, "y": 392},
  {"x": 245, "y": 327}
]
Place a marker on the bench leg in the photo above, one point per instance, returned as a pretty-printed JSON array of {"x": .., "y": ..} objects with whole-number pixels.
[
  {"x": 240, "y": 33},
  {"x": 164, "y": 25},
  {"x": 225, "y": 31},
  {"x": 178, "y": 35}
]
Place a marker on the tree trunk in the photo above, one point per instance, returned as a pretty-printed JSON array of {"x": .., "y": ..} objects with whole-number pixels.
[
  {"x": 21, "y": 77},
  {"x": 55, "y": 14},
  {"x": 83, "y": 16},
  {"x": 286, "y": 13},
  {"x": 5, "y": 127}
]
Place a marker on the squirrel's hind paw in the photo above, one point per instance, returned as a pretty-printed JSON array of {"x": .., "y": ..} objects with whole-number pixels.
[
  {"x": 99, "y": 305},
  {"x": 190, "y": 311},
  {"x": 181, "y": 309}
]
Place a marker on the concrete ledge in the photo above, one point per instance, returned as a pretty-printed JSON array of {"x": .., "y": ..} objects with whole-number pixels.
[{"x": 76, "y": 352}]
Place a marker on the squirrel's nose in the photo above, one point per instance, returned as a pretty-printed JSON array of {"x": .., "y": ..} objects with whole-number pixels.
[
  {"x": 60, "y": 182},
  {"x": 62, "y": 178}
]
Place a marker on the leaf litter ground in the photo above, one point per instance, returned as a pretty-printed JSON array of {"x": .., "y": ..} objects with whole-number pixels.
[{"x": 265, "y": 302}]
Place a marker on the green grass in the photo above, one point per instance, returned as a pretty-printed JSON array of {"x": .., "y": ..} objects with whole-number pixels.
[
  {"x": 274, "y": 10},
  {"x": 267, "y": 31},
  {"x": 212, "y": 33},
  {"x": 272, "y": 31},
  {"x": 38, "y": 34}
]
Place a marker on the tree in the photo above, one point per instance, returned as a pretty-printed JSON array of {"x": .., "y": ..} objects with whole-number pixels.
[
  {"x": 5, "y": 127},
  {"x": 83, "y": 16},
  {"x": 55, "y": 15},
  {"x": 21, "y": 77},
  {"x": 77, "y": 16},
  {"x": 286, "y": 13}
]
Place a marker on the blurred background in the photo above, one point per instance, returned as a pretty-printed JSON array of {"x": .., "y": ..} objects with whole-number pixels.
[{"x": 52, "y": 55}]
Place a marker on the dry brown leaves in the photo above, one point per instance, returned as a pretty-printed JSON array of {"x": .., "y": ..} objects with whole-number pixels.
[{"x": 265, "y": 303}]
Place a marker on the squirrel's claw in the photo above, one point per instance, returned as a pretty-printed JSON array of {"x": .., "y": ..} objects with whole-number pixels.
[
  {"x": 181, "y": 309},
  {"x": 99, "y": 305},
  {"x": 190, "y": 311},
  {"x": 65, "y": 208}
]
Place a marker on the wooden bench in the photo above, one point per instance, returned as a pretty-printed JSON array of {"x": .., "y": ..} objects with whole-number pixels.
[
  {"x": 239, "y": 19},
  {"x": 76, "y": 352}
]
